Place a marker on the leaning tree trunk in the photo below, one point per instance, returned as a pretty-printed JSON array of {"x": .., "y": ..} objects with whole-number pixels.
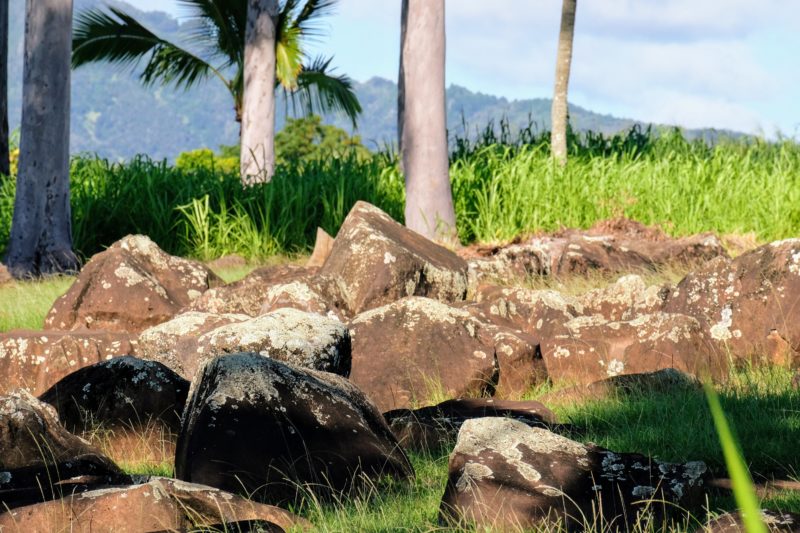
[
  {"x": 4, "y": 163},
  {"x": 41, "y": 228},
  {"x": 422, "y": 126},
  {"x": 558, "y": 135},
  {"x": 258, "y": 119}
]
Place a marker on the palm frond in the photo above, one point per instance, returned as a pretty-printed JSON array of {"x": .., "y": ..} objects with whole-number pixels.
[
  {"x": 320, "y": 91},
  {"x": 219, "y": 26},
  {"x": 288, "y": 58},
  {"x": 307, "y": 18}
]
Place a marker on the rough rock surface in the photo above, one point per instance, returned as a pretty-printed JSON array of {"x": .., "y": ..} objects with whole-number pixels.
[
  {"x": 591, "y": 348},
  {"x": 322, "y": 249},
  {"x": 625, "y": 299},
  {"x": 505, "y": 474},
  {"x": 417, "y": 348},
  {"x": 129, "y": 287},
  {"x": 775, "y": 522},
  {"x": 258, "y": 425},
  {"x": 122, "y": 392},
  {"x": 667, "y": 380},
  {"x": 160, "y": 504},
  {"x": 227, "y": 261},
  {"x": 303, "y": 339},
  {"x": 36, "y": 360},
  {"x": 435, "y": 427},
  {"x": 247, "y": 295},
  {"x": 748, "y": 304},
  {"x": 317, "y": 294},
  {"x": 40, "y": 459},
  {"x": 376, "y": 261}
]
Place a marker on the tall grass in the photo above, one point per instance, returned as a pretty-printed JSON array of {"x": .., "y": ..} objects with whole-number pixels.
[{"x": 503, "y": 185}]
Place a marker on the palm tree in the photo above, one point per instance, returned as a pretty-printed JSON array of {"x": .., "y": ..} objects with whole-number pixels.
[
  {"x": 421, "y": 121},
  {"x": 215, "y": 47},
  {"x": 559, "y": 112},
  {"x": 41, "y": 227}
]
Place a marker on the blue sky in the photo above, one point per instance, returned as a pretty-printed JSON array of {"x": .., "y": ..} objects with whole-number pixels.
[{"x": 696, "y": 63}]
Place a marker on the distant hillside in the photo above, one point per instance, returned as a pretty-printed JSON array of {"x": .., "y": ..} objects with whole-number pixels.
[{"x": 114, "y": 116}]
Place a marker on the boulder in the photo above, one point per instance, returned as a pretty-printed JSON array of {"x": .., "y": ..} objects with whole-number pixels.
[
  {"x": 625, "y": 299},
  {"x": 747, "y": 304},
  {"x": 416, "y": 349},
  {"x": 160, "y": 504},
  {"x": 247, "y": 295},
  {"x": 40, "y": 459},
  {"x": 36, "y": 360},
  {"x": 322, "y": 249},
  {"x": 506, "y": 263},
  {"x": 122, "y": 392},
  {"x": 376, "y": 261},
  {"x": 591, "y": 348},
  {"x": 303, "y": 339},
  {"x": 174, "y": 343},
  {"x": 129, "y": 287},
  {"x": 776, "y": 522},
  {"x": 271, "y": 430},
  {"x": 433, "y": 428},
  {"x": 318, "y": 294},
  {"x": 504, "y": 474},
  {"x": 227, "y": 262}
]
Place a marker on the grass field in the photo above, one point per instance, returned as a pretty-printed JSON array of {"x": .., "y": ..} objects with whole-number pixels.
[{"x": 759, "y": 402}]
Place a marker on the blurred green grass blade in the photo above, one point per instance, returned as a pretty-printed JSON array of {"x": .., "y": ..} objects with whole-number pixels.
[{"x": 743, "y": 489}]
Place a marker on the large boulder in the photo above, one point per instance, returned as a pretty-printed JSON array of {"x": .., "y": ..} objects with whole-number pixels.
[
  {"x": 36, "y": 360},
  {"x": 272, "y": 431},
  {"x": 160, "y": 504},
  {"x": 416, "y": 349},
  {"x": 376, "y": 261},
  {"x": 123, "y": 392},
  {"x": 40, "y": 459},
  {"x": 504, "y": 474},
  {"x": 247, "y": 295},
  {"x": 748, "y": 304},
  {"x": 432, "y": 428},
  {"x": 625, "y": 299},
  {"x": 304, "y": 339},
  {"x": 129, "y": 287},
  {"x": 591, "y": 348},
  {"x": 317, "y": 294}
]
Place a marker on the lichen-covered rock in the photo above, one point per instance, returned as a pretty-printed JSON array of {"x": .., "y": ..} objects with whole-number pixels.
[
  {"x": 160, "y": 504},
  {"x": 129, "y": 287},
  {"x": 36, "y": 360},
  {"x": 748, "y": 304},
  {"x": 435, "y": 427},
  {"x": 504, "y": 474},
  {"x": 40, "y": 459},
  {"x": 409, "y": 351},
  {"x": 175, "y": 341},
  {"x": 123, "y": 392},
  {"x": 246, "y": 296},
  {"x": 625, "y": 299},
  {"x": 776, "y": 523},
  {"x": 376, "y": 261},
  {"x": 317, "y": 294},
  {"x": 262, "y": 427},
  {"x": 592, "y": 348},
  {"x": 506, "y": 263}
]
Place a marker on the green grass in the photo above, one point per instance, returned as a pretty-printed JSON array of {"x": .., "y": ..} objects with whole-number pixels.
[{"x": 23, "y": 305}]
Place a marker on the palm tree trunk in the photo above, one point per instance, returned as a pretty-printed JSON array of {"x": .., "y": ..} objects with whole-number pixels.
[
  {"x": 41, "y": 227},
  {"x": 258, "y": 119},
  {"x": 4, "y": 163},
  {"x": 559, "y": 116},
  {"x": 422, "y": 123}
]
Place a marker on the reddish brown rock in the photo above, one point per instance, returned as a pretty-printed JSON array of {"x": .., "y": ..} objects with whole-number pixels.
[
  {"x": 505, "y": 475},
  {"x": 625, "y": 299},
  {"x": 303, "y": 339},
  {"x": 515, "y": 261},
  {"x": 316, "y": 294},
  {"x": 322, "y": 249},
  {"x": 376, "y": 261},
  {"x": 124, "y": 392},
  {"x": 129, "y": 287},
  {"x": 436, "y": 427},
  {"x": 36, "y": 360},
  {"x": 415, "y": 349},
  {"x": 271, "y": 430},
  {"x": 227, "y": 262},
  {"x": 776, "y": 522},
  {"x": 247, "y": 295},
  {"x": 161, "y": 504},
  {"x": 591, "y": 348},
  {"x": 41, "y": 460},
  {"x": 748, "y": 304}
]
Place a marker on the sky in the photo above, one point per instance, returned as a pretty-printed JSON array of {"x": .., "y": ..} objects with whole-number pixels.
[{"x": 695, "y": 63}]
